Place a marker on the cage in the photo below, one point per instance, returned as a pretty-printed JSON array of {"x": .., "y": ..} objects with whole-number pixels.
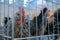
[{"x": 29, "y": 20}]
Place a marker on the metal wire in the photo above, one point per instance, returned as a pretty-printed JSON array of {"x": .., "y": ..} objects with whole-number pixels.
[
  {"x": 21, "y": 25},
  {"x": 36, "y": 36},
  {"x": 8, "y": 22},
  {"x": 13, "y": 22},
  {"x": 0, "y": 12},
  {"x": 42, "y": 22},
  {"x": 53, "y": 20},
  {"x": 36, "y": 22},
  {"x": 29, "y": 21}
]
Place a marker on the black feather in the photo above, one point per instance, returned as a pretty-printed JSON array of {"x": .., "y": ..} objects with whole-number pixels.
[
  {"x": 39, "y": 21},
  {"x": 56, "y": 16}
]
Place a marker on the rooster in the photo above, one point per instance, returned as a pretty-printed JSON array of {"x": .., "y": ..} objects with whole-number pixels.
[
  {"x": 17, "y": 27},
  {"x": 18, "y": 21}
]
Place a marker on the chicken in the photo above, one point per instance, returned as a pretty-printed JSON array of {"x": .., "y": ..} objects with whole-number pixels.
[
  {"x": 39, "y": 23},
  {"x": 17, "y": 26},
  {"x": 53, "y": 19},
  {"x": 6, "y": 19},
  {"x": 57, "y": 20}
]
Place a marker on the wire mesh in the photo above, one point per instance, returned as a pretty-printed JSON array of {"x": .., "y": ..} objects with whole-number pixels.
[{"x": 39, "y": 28}]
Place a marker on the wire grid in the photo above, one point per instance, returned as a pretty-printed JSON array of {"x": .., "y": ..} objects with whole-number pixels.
[{"x": 36, "y": 37}]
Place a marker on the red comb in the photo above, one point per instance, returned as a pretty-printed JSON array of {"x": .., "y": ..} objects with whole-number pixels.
[{"x": 21, "y": 9}]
